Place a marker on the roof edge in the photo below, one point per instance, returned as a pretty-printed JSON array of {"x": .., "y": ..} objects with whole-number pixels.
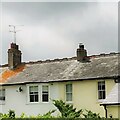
[
  {"x": 105, "y": 104},
  {"x": 65, "y": 80}
]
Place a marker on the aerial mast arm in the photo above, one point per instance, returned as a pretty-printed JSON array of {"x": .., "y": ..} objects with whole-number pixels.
[
  {"x": 14, "y": 31},
  {"x": 14, "y": 35}
]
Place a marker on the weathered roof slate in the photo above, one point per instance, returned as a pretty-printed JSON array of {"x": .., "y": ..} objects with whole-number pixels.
[{"x": 69, "y": 69}]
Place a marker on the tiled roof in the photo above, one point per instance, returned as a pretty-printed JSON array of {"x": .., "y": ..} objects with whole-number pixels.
[
  {"x": 6, "y": 73},
  {"x": 65, "y": 69},
  {"x": 114, "y": 96}
]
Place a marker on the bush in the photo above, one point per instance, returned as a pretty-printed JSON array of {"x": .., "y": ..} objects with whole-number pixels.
[
  {"x": 23, "y": 115},
  {"x": 11, "y": 114},
  {"x": 59, "y": 119},
  {"x": 46, "y": 115},
  {"x": 67, "y": 110},
  {"x": 90, "y": 114},
  {"x": 67, "y": 113}
]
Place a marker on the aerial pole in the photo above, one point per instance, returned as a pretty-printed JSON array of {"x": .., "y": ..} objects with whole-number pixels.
[{"x": 14, "y": 31}]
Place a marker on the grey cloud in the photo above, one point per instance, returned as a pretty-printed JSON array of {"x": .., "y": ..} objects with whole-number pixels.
[
  {"x": 41, "y": 11},
  {"x": 54, "y": 29}
]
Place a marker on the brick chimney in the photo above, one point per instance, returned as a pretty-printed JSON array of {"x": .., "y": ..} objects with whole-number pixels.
[
  {"x": 82, "y": 54},
  {"x": 14, "y": 56}
]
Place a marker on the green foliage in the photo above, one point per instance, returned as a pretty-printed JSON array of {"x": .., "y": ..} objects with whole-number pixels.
[
  {"x": 66, "y": 110},
  {"x": 67, "y": 113},
  {"x": 11, "y": 114},
  {"x": 1, "y": 115},
  {"x": 47, "y": 115},
  {"x": 23, "y": 115},
  {"x": 60, "y": 119},
  {"x": 90, "y": 114},
  {"x": 4, "y": 116}
]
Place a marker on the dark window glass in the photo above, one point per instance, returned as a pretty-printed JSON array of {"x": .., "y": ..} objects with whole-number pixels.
[
  {"x": 33, "y": 93},
  {"x": 101, "y": 90},
  {"x": 68, "y": 92},
  {"x": 31, "y": 98},
  {"x": 45, "y": 93},
  {"x": 45, "y": 98},
  {"x": 36, "y": 98},
  {"x": 2, "y": 94}
]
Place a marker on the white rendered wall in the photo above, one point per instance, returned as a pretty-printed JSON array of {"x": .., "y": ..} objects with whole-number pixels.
[{"x": 18, "y": 101}]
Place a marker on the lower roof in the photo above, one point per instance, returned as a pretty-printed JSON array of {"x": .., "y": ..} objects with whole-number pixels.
[{"x": 114, "y": 96}]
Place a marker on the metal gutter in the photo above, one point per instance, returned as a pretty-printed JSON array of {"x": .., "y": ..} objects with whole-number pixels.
[{"x": 65, "y": 80}]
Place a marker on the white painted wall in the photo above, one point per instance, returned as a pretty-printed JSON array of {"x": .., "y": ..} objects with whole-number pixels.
[{"x": 18, "y": 101}]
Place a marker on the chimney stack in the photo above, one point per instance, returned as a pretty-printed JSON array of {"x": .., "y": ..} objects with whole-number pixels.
[
  {"x": 14, "y": 56},
  {"x": 82, "y": 54}
]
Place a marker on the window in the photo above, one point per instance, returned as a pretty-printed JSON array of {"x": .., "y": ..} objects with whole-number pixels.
[
  {"x": 2, "y": 94},
  {"x": 68, "y": 92},
  {"x": 38, "y": 93},
  {"x": 33, "y": 93},
  {"x": 45, "y": 93},
  {"x": 101, "y": 90}
]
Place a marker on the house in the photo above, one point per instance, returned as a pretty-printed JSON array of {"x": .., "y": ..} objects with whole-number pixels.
[{"x": 87, "y": 82}]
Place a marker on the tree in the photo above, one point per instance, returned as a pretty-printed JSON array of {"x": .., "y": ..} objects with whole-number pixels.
[{"x": 67, "y": 110}]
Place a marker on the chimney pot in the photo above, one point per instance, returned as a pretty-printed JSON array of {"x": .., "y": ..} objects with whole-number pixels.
[
  {"x": 82, "y": 54},
  {"x": 81, "y": 46}
]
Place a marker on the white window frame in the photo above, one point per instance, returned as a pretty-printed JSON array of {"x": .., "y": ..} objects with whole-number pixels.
[
  {"x": 39, "y": 93},
  {"x": 101, "y": 90},
  {"x": 71, "y": 92},
  {"x": 3, "y": 101},
  {"x": 28, "y": 95}
]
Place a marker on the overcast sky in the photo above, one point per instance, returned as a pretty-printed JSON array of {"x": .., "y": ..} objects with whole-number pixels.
[{"x": 54, "y": 29}]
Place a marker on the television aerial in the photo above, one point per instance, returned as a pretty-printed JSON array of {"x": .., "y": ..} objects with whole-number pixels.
[{"x": 14, "y": 31}]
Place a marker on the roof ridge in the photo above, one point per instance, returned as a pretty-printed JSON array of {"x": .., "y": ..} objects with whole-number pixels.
[
  {"x": 105, "y": 54},
  {"x": 71, "y": 58},
  {"x": 51, "y": 60},
  {"x": 66, "y": 59}
]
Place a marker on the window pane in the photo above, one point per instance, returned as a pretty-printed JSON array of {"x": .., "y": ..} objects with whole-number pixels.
[
  {"x": 69, "y": 97},
  {"x": 2, "y": 98},
  {"x": 36, "y": 88},
  {"x": 69, "y": 88},
  {"x": 69, "y": 92},
  {"x": 103, "y": 87},
  {"x": 2, "y": 94},
  {"x": 36, "y": 98},
  {"x": 33, "y": 92},
  {"x": 101, "y": 90},
  {"x": 33, "y": 88},
  {"x": 45, "y": 97},
  {"x": 100, "y": 94},
  {"x": 44, "y": 88},
  {"x": 45, "y": 93},
  {"x": 99, "y": 86},
  {"x": 31, "y": 98},
  {"x": 103, "y": 94}
]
